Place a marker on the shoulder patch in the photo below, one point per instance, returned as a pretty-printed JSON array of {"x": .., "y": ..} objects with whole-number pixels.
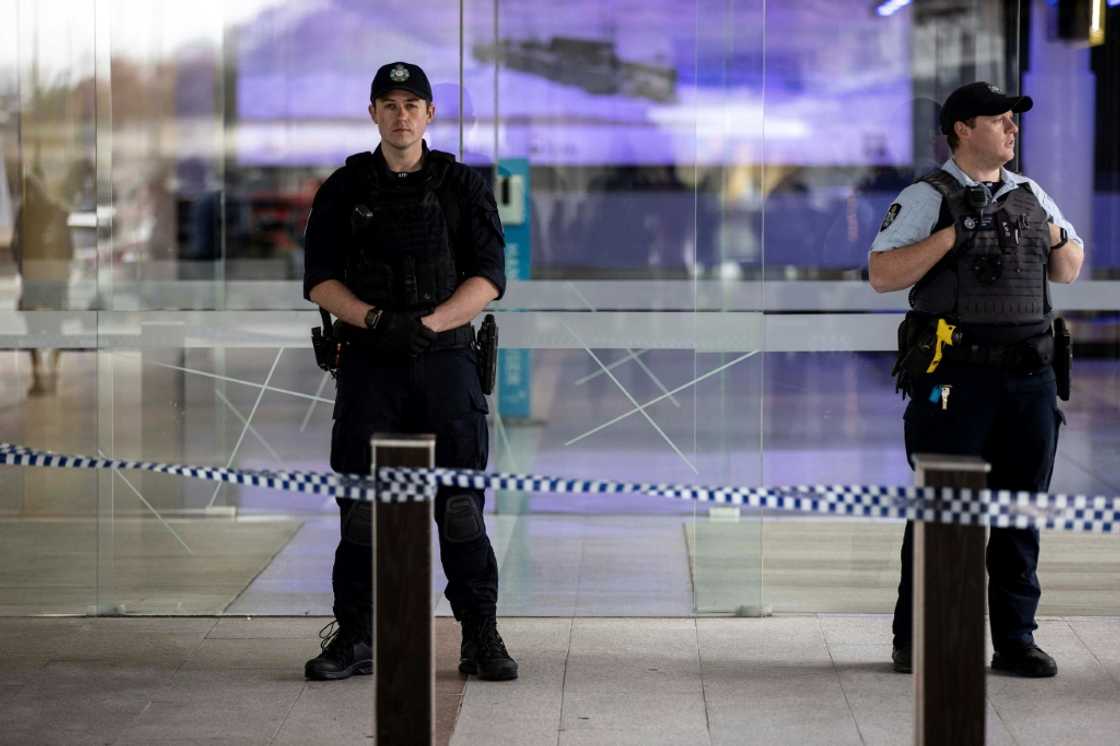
[{"x": 892, "y": 213}]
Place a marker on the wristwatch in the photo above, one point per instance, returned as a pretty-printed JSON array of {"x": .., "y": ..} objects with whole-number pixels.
[
  {"x": 1063, "y": 236},
  {"x": 373, "y": 316}
]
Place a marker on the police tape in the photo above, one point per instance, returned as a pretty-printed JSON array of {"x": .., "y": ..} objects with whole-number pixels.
[
  {"x": 998, "y": 508},
  {"x": 311, "y": 482}
]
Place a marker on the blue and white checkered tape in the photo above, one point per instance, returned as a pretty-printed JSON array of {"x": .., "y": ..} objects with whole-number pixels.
[{"x": 1000, "y": 508}]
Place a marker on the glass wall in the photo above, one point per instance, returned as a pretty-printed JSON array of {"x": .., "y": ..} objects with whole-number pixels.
[
  {"x": 623, "y": 356},
  {"x": 689, "y": 189}
]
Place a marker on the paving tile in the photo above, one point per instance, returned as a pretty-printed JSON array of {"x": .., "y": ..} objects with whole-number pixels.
[
  {"x": 1101, "y": 635},
  {"x": 794, "y": 703},
  {"x": 882, "y": 700},
  {"x": 22, "y": 668},
  {"x": 1079, "y": 706},
  {"x": 648, "y": 735},
  {"x": 249, "y": 722},
  {"x": 855, "y": 629},
  {"x": 757, "y": 638},
  {"x": 81, "y": 698},
  {"x": 772, "y": 680},
  {"x": 280, "y": 600},
  {"x": 623, "y": 674},
  {"x": 275, "y": 628},
  {"x": 326, "y": 713},
  {"x": 287, "y": 655},
  {"x": 48, "y": 736},
  {"x": 228, "y": 687},
  {"x": 91, "y": 637},
  {"x": 527, "y": 711}
]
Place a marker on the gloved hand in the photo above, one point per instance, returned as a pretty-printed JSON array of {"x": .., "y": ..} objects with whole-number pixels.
[
  {"x": 402, "y": 334},
  {"x": 966, "y": 207}
]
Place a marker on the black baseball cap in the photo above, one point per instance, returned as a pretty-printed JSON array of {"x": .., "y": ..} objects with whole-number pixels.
[
  {"x": 979, "y": 99},
  {"x": 402, "y": 76}
]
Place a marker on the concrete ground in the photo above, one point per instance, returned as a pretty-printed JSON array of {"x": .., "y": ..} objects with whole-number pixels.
[{"x": 798, "y": 679}]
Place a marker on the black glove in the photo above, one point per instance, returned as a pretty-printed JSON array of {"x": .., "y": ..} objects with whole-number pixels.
[
  {"x": 967, "y": 208},
  {"x": 403, "y": 334}
]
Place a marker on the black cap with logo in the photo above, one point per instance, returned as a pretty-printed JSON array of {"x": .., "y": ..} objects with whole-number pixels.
[
  {"x": 979, "y": 99},
  {"x": 402, "y": 76}
]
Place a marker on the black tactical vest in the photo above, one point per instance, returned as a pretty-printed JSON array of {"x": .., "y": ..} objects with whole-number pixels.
[
  {"x": 401, "y": 255},
  {"x": 999, "y": 277}
]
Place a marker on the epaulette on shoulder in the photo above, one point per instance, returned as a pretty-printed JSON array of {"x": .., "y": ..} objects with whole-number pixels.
[{"x": 942, "y": 181}]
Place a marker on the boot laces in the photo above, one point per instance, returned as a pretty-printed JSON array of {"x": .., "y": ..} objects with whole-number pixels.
[
  {"x": 490, "y": 644},
  {"x": 328, "y": 633},
  {"x": 331, "y": 640}
]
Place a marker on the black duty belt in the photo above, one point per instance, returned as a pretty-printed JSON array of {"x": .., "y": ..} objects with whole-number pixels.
[
  {"x": 460, "y": 336},
  {"x": 1029, "y": 354}
]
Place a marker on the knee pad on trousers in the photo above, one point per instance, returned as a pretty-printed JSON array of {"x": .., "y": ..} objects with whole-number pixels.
[
  {"x": 462, "y": 520},
  {"x": 357, "y": 527}
]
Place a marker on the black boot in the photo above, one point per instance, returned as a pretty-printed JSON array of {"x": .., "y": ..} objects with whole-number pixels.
[
  {"x": 344, "y": 655},
  {"x": 483, "y": 653},
  {"x": 902, "y": 658},
  {"x": 468, "y": 647},
  {"x": 1024, "y": 659}
]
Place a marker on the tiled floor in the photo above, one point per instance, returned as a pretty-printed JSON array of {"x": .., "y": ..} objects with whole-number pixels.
[
  {"x": 570, "y": 561},
  {"x": 810, "y": 679}
]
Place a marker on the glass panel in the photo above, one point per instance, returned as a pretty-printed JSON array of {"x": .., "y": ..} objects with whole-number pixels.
[
  {"x": 864, "y": 93},
  {"x": 611, "y": 159},
  {"x": 1076, "y": 89},
  {"x": 729, "y": 74},
  {"x": 49, "y": 372},
  {"x": 225, "y": 123},
  {"x": 689, "y": 189}
]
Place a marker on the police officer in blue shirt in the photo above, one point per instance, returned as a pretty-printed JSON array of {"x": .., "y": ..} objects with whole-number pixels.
[
  {"x": 404, "y": 246},
  {"x": 978, "y": 245}
]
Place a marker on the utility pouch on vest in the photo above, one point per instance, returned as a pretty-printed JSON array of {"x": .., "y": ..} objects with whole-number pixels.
[
  {"x": 487, "y": 348},
  {"x": 327, "y": 346},
  {"x": 1063, "y": 357}
]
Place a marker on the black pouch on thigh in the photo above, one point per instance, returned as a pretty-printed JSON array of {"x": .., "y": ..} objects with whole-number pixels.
[{"x": 464, "y": 442}]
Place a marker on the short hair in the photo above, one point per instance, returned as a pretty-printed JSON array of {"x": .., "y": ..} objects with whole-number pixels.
[
  {"x": 954, "y": 141},
  {"x": 427, "y": 104}
]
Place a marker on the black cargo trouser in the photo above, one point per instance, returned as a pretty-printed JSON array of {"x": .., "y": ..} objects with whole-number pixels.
[
  {"x": 437, "y": 392},
  {"x": 1011, "y": 421}
]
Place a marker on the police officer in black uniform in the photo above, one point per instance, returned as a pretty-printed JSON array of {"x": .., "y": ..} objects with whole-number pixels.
[
  {"x": 978, "y": 244},
  {"x": 404, "y": 246}
]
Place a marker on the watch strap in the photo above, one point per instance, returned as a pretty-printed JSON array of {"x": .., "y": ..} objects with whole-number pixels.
[{"x": 1063, "y": 238}]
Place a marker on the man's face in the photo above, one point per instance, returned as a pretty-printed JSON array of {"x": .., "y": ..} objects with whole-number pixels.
[
  {"x": 401, "y": 118},
  {"x": 993, "y": 137}
]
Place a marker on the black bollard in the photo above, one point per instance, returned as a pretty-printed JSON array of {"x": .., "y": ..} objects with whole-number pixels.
[
  {"x": 403, "y": 654},
  {"x": 949, "y": 583}
]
